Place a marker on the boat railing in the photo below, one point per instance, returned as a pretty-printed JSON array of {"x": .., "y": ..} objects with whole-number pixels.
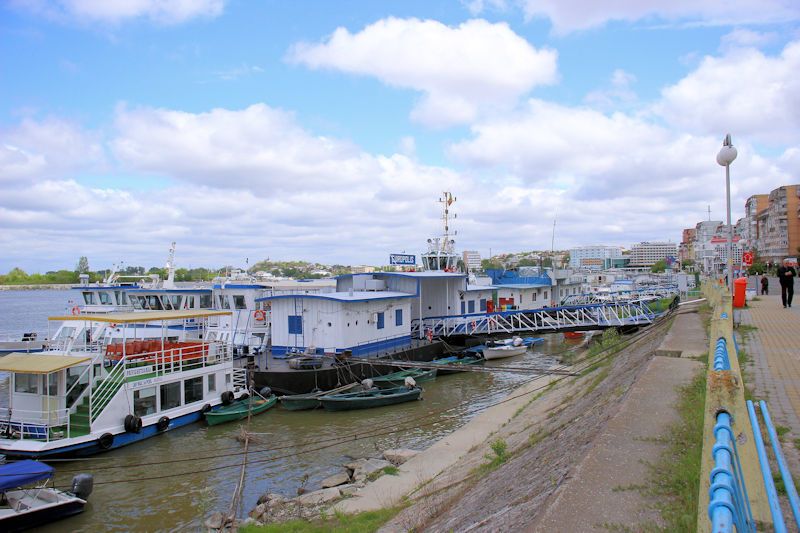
[{"x": 41, "y": 426}]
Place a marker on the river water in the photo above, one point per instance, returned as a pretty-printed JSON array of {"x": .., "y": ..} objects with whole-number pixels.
[{"x": 172, "y": 481}]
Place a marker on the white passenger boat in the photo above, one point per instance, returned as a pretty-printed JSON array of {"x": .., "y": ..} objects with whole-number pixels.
[
  {"x": 105, "y": 393},
  {"x": 26, "y": 501},
  {"x": 506, "y": 348}
]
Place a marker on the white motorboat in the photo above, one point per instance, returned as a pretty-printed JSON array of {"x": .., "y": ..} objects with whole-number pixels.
[
  {"x": 502, "y": 349},
  {"x": 26, "y": 501}
]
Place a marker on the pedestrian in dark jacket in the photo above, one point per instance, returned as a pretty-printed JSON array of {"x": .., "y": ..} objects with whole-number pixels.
[
  {"x": 786, "y": 275},
  {"x": 764, "y": 284}
]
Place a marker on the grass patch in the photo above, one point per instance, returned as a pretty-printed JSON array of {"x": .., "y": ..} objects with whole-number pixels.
[
  {"x": 597, "y": 380},
  {"x": 782, "y": 431},
  {"x": 778, "y": 480},
  {"x": 797, "y": 443},
  {"x": 386, "y": 470},
  {"x": 366, "y": 522},
  {"x": 500, "y": 450},
  {"x": 675, "y": 478}
]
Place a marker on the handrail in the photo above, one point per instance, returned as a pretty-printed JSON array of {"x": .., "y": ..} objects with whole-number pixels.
[
  {"x": 729, "y": 504},
  {"x": 766, "y": 472},
  {"x": 721, "y": 359},
  {"x": 786, "y": 474}
]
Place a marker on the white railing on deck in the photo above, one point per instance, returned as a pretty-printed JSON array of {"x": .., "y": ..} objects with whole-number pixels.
[{"x": 34, "y": 425}]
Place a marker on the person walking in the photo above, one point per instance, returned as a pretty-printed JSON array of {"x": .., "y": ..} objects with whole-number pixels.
[
  {"x": 764, "y": 284},
  {"x": 786, "y": 275}
]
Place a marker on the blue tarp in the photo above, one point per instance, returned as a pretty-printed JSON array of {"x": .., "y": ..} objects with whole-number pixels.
[{"x": 14, "y": 475}]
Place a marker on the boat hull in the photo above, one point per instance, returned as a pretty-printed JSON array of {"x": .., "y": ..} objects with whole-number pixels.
[
  {"x": 300, "y": 404},
  {"x": 39, "y": 517},
  {"x": 501, "y": 352},
  {"x": 239, "y": 410},
  {"x": 452, "y": 367},
  {"x": 348, "y": 402},
  {"x": 397, "y": 379}
]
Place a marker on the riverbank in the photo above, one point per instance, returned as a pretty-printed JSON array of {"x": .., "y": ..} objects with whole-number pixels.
[{"x": 38, "y": 287}]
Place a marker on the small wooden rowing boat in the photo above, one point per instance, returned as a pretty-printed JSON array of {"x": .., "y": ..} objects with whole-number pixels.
[
  {"x": 450, "y": 365},
  {"x": 301, "y": 402},
  {"x": 370, "y": 398},
  {"x": 574, "y": 335},
  {"x": 239, "y": 409},
  {"x": 395, "y": 379}
]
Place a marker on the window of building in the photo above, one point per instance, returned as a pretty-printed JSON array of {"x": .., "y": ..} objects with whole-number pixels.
[
  {"x": 205, "y": 301},
  {"x": 212, "y": 383},
  {"x": 471, "y": 306},
  {"x": 296, "y": 325},
  {"x": 398, "y": 317},
  {"x": 28, "y": 383},
  {"x": 193, "y": 390},
  {"x": 483, "y": 305},
  {"x": 144, "y": 401},
  {"x": 238, "y": 301},
  {"x": 170, "y": 395},
  {"x": 533, "y": 296},
  {"x": 380, "y": 320}
]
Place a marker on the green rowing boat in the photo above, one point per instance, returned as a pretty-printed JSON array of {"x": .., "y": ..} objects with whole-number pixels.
[
  {"x": 301, "y": 402},
  {"x": 371, "y": 398},
  {"x": 450, "y": 365},
  {"x": 239, "y": 409},
  {"x": 395, "y": 379}
]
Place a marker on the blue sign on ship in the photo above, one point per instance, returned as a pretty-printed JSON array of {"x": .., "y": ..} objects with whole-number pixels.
[{"x": 402, "y": 259}]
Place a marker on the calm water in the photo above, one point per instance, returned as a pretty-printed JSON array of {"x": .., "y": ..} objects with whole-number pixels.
[{"x": 170, "y": 482}]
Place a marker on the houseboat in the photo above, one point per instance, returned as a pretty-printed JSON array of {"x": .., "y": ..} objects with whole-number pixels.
[{"x": 115, "y": 388}]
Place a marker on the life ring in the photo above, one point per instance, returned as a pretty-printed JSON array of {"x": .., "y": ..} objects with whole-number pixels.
[
  {"x": 133, "y": 424},
  {"x": 259, "y": 314},
  {"x": 75, "y": 310},
  {"x": 163, "y": 423},
  {"x": 105, "y": 441},
  {"x": 226, "y": 397}
]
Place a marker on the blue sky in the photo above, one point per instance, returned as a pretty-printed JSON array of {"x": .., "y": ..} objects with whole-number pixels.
[{"x": 327, "y": 130}]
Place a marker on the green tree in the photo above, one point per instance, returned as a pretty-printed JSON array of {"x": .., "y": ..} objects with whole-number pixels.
[
  {"x": 660, "y": 266},
  {"x": 83, "y": 265},
  {"x": 487, "y": 264}
]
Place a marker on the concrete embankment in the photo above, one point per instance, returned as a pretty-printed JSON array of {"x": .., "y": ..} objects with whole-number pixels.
[{"x": 570, "y": 451}]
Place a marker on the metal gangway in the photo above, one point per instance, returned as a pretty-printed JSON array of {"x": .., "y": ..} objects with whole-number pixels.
[
  {"x": 646, "y": 294},
  {"x": 554, "y": 319}
]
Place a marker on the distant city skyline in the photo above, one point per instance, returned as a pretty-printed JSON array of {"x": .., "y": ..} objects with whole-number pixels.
[{"x": 324, "y": 131}]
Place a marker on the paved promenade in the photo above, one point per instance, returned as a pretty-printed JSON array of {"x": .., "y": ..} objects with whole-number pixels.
[{"x": 774, "y": 372}]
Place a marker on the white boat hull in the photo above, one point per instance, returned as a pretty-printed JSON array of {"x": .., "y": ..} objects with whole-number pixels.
[{"x": 500, "y": 352}]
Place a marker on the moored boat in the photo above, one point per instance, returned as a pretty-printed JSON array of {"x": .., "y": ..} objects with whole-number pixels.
[
  {"x": 450, "y": 365},
  {"x": 26, "y": 501},
  {"x": 240, "y": 409},
  {"x": 396, "y": 379},
  {"x": 369, "y": 398},
  {"x": 302, "y": 402},
  {"x": 574, "y": 335}
]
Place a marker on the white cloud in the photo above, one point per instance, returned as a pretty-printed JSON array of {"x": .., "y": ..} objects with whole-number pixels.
[
  {"x": 476, "y": 7},
  {"x": 460, "y": 71},
  {"x": 744, "y": 92},
  {"x": 117, "y": 11},
  {"x": 619, "y": 94},
  {"x": 572, "y": 15},
  {"x": 743, "y": 37}
]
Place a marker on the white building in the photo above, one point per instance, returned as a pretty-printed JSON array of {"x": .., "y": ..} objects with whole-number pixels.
[
  {"x": 645, "y": 254},
  {"x": 593, "y": 257},
  {"x": 472, "y": 260}
]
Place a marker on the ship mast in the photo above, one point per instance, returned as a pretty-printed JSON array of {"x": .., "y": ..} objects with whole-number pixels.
[{"x": 169, "y": 283}]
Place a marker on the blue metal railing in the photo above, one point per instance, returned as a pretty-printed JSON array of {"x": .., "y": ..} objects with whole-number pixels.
[
  {"x": 722, "y": 360},
  {"x": 729, "y": 504},
  {"x": 766, "y": 473},
  {"x": 786, "y": 475}
]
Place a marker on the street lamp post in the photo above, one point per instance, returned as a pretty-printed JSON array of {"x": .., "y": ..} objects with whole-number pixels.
[{"x": 725, "y": 157}]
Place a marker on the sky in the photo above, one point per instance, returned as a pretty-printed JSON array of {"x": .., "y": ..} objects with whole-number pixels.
[{"x": 327, "y": 131}]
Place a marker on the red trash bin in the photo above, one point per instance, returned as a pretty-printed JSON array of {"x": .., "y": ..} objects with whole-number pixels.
[{"x": 739, "y": 289}]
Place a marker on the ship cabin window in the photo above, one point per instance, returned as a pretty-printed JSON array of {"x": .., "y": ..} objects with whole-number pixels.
[
  {"x": 483, "y": 304},
  {"x": 545, "y": 295},
  {"x": 136, "y": 303},
  {"x": 105, "y": 298},
  {"x": 398, "y": 317},
  {"x": 189, "y": 303},
  {"x": 27, "y": 383},
  {"x": 144, "y": 401},
  {"x": 533, "y": 296},
  {"x": 170, "y": 395},
  {"x": 142, "y": 302},
  {"x": 463, "y": 308},
  {"x": 296, "y": 325},
  {"x": 88, "y": 298},
  {"x": 380, "y": 321},
  {"x": 75, "y": 373},
  {"x": 177, "y": 300},
  {"x": 165, "y": 302},
  {"x": 212, "y": 383},
  {"x": 193, "y": 390},
  {"x": 471, "y": 306},
  {"x": 52, "y": 384},
  {"x": 65, "y": 333},
  {"x": 223, "y": 302},
  {"x": 239, "y": 302},
  {"x": 227, "y": 380},
  {"x": 155, "y": 303},
  {"x": 120, "y": 298},
  {"x": 205, "y": 301}
]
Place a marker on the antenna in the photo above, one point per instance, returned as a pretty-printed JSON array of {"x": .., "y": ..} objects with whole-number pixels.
[{"x": 709, "y": 213}]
